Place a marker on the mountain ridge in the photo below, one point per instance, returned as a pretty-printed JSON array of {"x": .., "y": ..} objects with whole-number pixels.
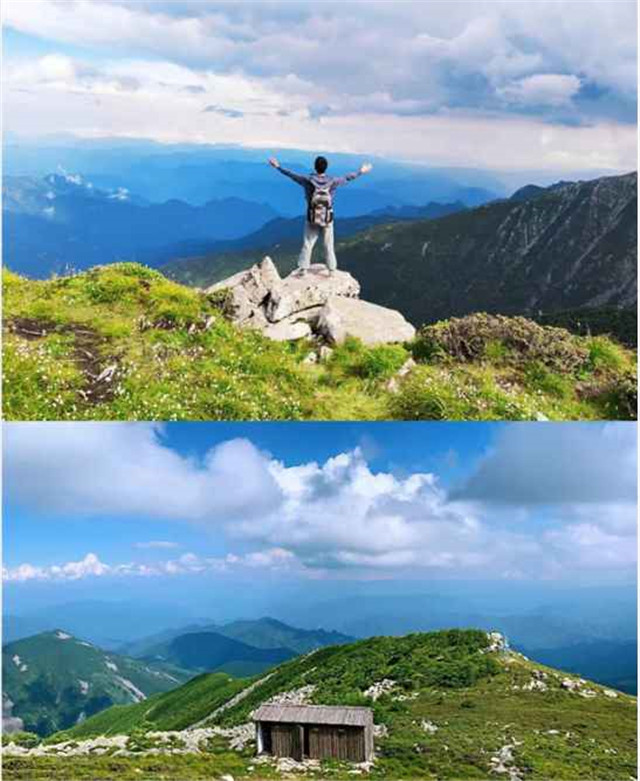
[
  {"x": 571, "y": 246},
  {"x": 448, "y": 704},
  {"x": 210, "y": 651}
]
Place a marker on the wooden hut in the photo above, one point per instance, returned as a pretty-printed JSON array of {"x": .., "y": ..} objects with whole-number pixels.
[{"x": 315, "y": 732}]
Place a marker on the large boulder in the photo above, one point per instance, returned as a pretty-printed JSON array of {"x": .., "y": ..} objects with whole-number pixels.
[
  {"x": 302, "y": 291},
  {"x": 341, "y": 317}
]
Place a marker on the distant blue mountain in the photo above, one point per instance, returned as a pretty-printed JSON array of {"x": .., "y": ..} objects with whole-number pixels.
[
  {"x": 605, "y": 661},
  {"x": 140, "y": 200},
  {"x": 63, "y": 222},
  {"x": 200, "y": 173}
]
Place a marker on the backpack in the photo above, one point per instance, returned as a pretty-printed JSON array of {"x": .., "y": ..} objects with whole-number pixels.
[{"x": 320, "y": 211}]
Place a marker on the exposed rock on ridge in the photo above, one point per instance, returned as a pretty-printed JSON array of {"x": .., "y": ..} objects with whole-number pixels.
[{"x": 315, "y": 304}]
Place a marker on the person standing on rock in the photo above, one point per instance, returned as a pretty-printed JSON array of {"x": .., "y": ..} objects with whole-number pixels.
[{"x": 319, "y": 188}]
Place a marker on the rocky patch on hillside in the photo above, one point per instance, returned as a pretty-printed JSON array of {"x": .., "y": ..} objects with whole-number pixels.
[{"x": 314, "y": 304}]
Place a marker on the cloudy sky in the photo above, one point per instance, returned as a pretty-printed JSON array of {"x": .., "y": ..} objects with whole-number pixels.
[
  {"x": 505, "y": 85},
  {"x": 139, "y": 502}
]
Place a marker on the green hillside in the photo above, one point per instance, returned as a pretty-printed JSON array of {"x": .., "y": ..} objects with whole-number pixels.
[
  {"x": 447, "y": 705},
  {"x": 56, "y": 680},
  {"x": 124, "y": 343},
  {"x": 270, "y": 633},
  {"x": 211, "y": 651},
  {"x": 261, "y": 633},
  {"x": 175, "y": 710}
]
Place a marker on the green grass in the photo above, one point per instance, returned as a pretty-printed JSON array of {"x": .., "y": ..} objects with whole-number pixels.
[
  {"x": 170, "y": 711},
  {"x": 190, "y": 767},
  {"x": 176, "y": 356},
  {"x": 170, "y": 354}
]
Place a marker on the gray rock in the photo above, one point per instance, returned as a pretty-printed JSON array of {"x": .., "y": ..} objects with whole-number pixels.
[
  {"x": 269, "y": 273},
  {"x": 288, "y": 330},
  {"x": 239, "y": 306},
  {"x": 341, "y": 317},
  {"x": 302, "y": 305},
  {"x": 257, "y": 281},
  {"x": 10, "y": 723},
  {"x": 249, "y": 289},
  {"x": 255, "y": 320},
  {"x": 303, "y": 291}
]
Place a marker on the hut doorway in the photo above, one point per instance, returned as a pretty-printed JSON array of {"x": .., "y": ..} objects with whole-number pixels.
[{"x": 286, "y": 740}]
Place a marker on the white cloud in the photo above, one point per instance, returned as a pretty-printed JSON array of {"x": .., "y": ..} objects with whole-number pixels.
[
  {"x": 188, "y": 564},
  {"x": 90, "y": 566},
  {"x": 589, "y": 547},
  {"x": 125, "y": 469},
  {"x": 566, "y": 464},
  {"x": 543, "y": 89},
  {"x": 412, "y": 47},
  {"x": 540, "y": 503}
]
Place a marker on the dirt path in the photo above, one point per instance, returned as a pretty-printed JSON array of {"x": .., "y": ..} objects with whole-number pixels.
[{"x": 98, "y": 369}]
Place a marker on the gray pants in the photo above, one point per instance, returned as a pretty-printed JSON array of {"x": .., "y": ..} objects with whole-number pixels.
[{"x": 311, "y": 233}]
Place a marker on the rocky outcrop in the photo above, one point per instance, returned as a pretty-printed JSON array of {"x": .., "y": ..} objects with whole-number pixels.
[{"x": 315, "y": 304}]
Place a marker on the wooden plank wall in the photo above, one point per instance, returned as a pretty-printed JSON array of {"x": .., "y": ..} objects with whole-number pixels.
[
  {"x": 325, "y": 742},
  {"x": 346, "y": 743}
]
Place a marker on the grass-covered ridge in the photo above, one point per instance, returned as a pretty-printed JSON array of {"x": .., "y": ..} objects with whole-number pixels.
[
  {"x": 122, "y": 342},
  {"x": 446, "y": 707}
]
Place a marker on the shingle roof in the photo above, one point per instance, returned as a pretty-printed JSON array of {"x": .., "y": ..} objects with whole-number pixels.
[{"x": 339, "y": 716}]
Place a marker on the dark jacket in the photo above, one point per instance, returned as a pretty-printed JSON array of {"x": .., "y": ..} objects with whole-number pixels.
[{"x": 313, "y": 179}]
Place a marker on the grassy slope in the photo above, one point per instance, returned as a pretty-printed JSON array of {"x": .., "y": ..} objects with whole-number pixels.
[
  {"x": 45, "y": 685},
  {"x": 441, "y": 678},
  {"x": 175, "y": 357},
  {"x": 172, "y": 710}
]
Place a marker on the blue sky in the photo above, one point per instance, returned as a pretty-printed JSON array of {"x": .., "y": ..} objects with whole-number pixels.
[
  {"x": 503, "y": 85},
  {"x": 95, "y": 503}
]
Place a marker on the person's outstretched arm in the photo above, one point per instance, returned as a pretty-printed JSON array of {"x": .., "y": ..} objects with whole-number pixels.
[
  {"x": 299, "y": 178},
  {"x": 340, "y": 180}
]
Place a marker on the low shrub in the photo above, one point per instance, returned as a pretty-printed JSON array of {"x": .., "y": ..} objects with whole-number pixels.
[{"x": 514, "y": 340}]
